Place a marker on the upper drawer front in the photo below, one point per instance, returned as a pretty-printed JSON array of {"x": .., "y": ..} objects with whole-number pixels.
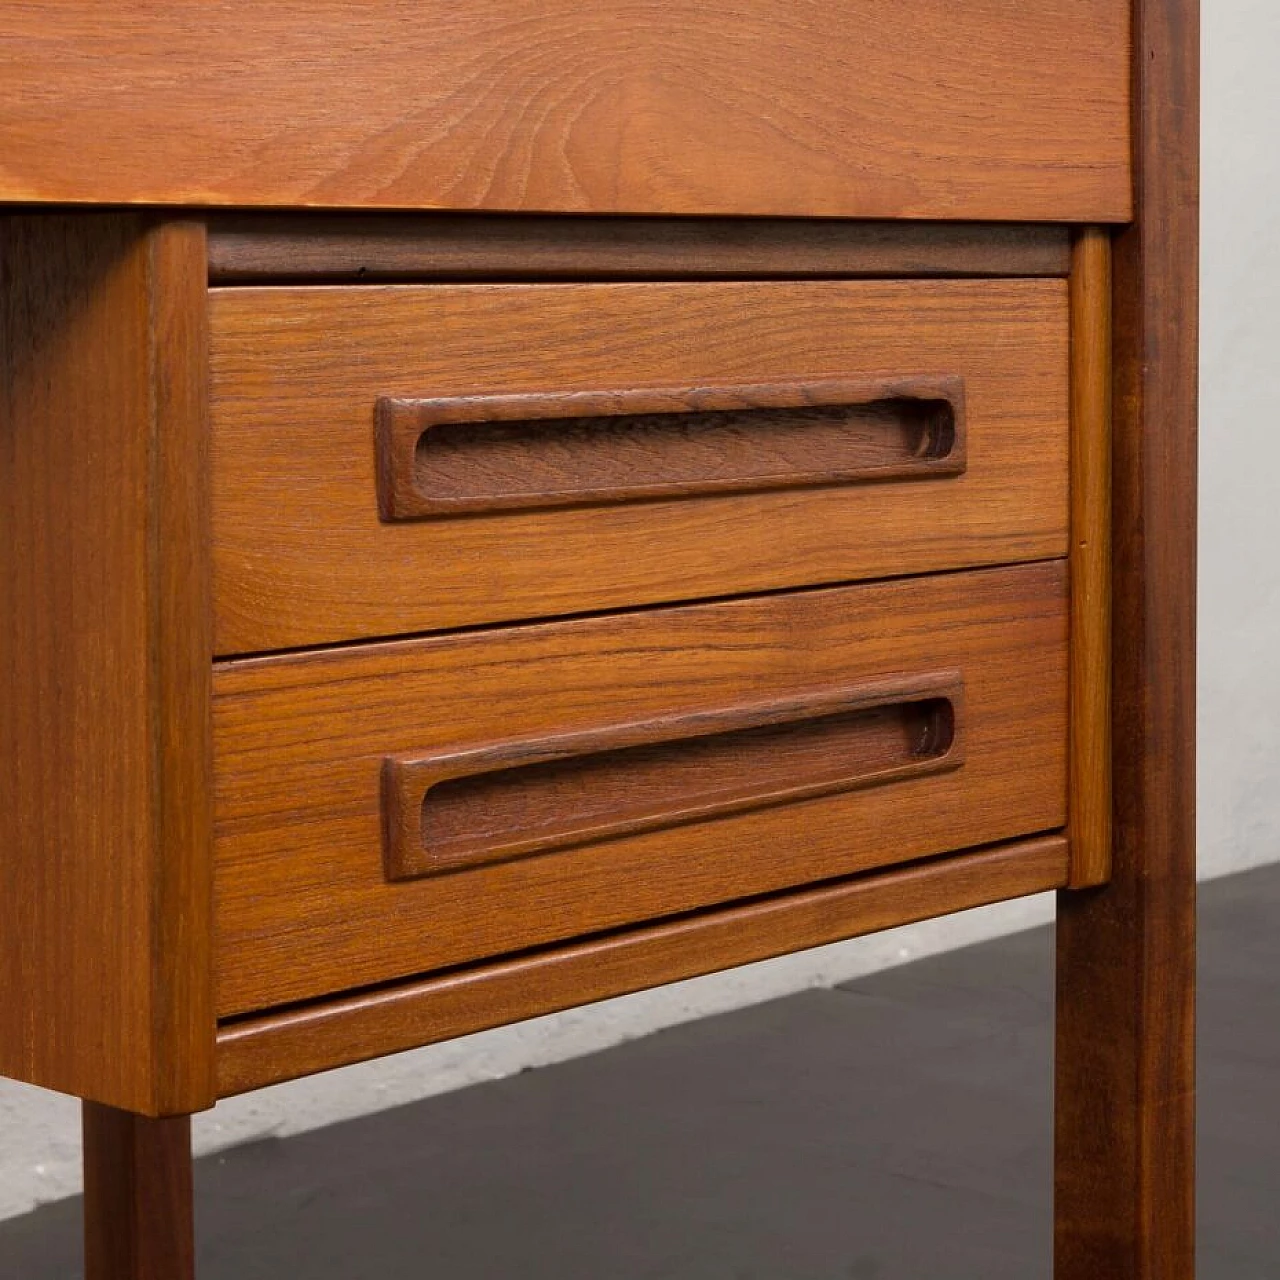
[
  {"x": 399, "y": 459},
  {"x": 383, "y": 810},
  {"x": 959, "y": 109}
]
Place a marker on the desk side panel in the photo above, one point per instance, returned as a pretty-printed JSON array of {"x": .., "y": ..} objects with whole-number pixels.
[{"x": 105, "y": 656}]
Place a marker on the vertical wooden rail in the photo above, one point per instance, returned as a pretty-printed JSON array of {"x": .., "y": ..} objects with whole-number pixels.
[
  {"x": 1126, "y": 951},
  {"x": 1089, "y": 804},
  {"x": 138, "y": 1202}
]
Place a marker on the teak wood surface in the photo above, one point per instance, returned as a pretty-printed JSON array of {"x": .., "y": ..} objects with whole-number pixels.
[
  {"x": 138, "y": 1196},
  {"x": 1125, "y": 1060},
  {"x": 448, "y": 810},
  {"x": 1089, "y": 822},
  {"x": 304, "y": 908},
  {"x": 105, "y": 662},
  {"x": 302, "y": 556},
  {"x": 460, "y": 455},
  {"x": 253, "y": 1052},
  {"x": 143, "y": 531},
  {"x": 1012, "y": 110}
]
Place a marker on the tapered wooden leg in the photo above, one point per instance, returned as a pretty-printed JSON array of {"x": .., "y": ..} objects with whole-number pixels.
[
  {"x": 1126, "y": 950},
  {"x": 138, "y": 1222},
  {"x": 1124, "y": 1194}
]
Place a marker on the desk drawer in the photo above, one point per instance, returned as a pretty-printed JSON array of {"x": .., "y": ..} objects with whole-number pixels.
[
  {"x": 392, "y": 460},
  {"x": 391, "y": 809}
]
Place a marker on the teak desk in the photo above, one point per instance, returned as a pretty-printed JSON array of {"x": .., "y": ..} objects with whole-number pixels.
[{"x": 506, "y": 505}]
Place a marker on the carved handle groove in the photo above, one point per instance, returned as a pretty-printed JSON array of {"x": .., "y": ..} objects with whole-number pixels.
[
  {"x": 510, "y": 799},
  {"x": 500, "y": 453}
]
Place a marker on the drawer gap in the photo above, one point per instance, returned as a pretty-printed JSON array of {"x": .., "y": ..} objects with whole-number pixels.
[{"x": 502, "y": 248}]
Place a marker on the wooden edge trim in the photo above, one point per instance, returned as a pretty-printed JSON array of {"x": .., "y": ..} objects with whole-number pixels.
[
  {"x": 283, "y": 1046},
  {"x": 1089, "y": 797},
  {"x": 251, "y": 249},
  {"x": 181, "y": 573}
]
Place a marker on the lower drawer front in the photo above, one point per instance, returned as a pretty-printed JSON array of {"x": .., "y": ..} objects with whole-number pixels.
[{"x": 395, "y": 808}]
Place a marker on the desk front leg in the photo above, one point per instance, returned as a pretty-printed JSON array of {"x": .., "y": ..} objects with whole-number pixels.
[{"x": 138, "y": 1197}]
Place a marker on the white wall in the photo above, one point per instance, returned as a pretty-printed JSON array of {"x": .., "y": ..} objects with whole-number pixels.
[
  {"x": 1239, "y": 745},
  {"x": 1239, "y": 685}
]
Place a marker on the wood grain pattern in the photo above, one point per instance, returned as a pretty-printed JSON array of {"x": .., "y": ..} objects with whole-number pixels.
[
  {"x": 304, "y": 909},
  {"x": 1126, "y": 952},
  {"x": 1089, "y": 821},
  {"x": 296, "y": 373},
  {"x": 105, "y": 657},
  {"x": 138, "y": 1197},
  {"x": 517, "y": 797},
  {"x": 1012, "y": 109},
  {"x": 480, "y": 454},
  {"x": 261, "y": 1051},
  {"x": 364, "y": 248}
]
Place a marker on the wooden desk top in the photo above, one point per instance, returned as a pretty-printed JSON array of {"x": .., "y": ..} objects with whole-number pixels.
[{"x": 1012, "y": 110}]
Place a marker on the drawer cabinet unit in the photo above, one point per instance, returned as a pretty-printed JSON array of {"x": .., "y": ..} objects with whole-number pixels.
[{"x": 541, "y": 504}]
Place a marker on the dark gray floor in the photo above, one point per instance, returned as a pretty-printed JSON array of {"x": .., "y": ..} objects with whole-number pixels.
[{"x": 896, "y": 1128}]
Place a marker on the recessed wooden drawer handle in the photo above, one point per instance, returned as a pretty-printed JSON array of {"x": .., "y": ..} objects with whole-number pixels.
[
  {"x": 500, "y": 453},
  {"x": 509, "y": 799}
]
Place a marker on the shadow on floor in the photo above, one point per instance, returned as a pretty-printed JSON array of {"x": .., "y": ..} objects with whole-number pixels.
[{"x": 895, "y": 1128}]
